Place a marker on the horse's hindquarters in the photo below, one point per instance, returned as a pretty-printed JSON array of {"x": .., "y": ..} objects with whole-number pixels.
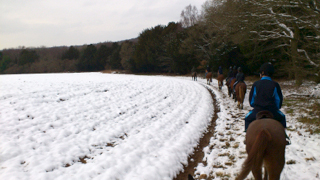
[
  {"x": 241, "y": 89},
  {"x": 265, "y": 143},
  {"x": 274, "y": 127}
]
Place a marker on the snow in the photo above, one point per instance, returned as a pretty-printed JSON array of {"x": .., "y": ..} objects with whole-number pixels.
[
  {"x": 125, "y": 126},
  {"x": 316, "y": 91},
  {"x": 128, "y": 127}
]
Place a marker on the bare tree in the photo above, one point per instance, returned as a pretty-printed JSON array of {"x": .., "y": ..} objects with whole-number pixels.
[
  {"x": 189, "y": 16},
  {"x": 126, "y": 53},
  {"x": 288, "y": 26},
  {"x": 294, "y": 25}
]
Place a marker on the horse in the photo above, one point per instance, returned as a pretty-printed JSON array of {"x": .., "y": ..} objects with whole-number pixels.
[
  {"x": 220, "y": 80},
  {"x": 265, "y": 145},
  {"x": 230, "y": 86},
  {"x": 241, "y": 89},
  {"x": 209, "y": 77},
  {"x": 194, "y": 76}
]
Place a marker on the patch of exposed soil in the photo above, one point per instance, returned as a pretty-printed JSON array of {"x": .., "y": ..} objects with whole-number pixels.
[{"x": 197, "y": 156}]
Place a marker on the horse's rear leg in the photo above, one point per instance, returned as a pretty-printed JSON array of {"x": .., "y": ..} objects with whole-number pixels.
[
  {"x": 257, "y": 169},
  {"x": 274, "y": 167},
  {"x": 266, "y": 175},
  {"x": 257, "y": 173}
]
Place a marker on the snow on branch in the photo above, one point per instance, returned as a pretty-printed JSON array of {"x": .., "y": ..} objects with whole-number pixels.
[{"x": 306, "y": 54}]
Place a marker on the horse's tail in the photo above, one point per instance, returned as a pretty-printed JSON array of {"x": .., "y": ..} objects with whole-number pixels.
[
  {"x": 255, "y": 157},
  {"x": 241, "y": 93}
]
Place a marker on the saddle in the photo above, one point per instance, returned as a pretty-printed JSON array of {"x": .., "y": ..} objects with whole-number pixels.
[
  {"x": 229, "y": 80},
  {"x": 269, "y": 115},
  {"x": 264, "y": 115}
]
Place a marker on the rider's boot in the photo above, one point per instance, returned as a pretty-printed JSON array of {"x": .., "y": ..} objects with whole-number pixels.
[{"x": 288, "y": 141}]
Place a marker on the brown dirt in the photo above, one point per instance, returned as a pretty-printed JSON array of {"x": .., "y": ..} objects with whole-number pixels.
[{"x": 197, "y": 156}]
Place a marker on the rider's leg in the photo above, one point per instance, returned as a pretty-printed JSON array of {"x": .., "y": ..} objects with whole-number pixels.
[
  {"x": 234, "y": 86},
  {"x": 251, "y": 116},
  {"x": 278, "y": 115}
]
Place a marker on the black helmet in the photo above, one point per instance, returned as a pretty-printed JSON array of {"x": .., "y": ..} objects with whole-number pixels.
[
  {"x": 267, "y": 69},
  {"x": 239, "y": 69},
  {"x": 234, "y": 67}
]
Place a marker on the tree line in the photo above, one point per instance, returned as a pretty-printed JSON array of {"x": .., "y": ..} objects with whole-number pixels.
[{"x": 238, "y": 33}]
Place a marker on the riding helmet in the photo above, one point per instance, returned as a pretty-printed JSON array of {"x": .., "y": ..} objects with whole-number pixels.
[
  {"x": 239, "y": 69},
  {"x": 267, "y": 68},
  {"x": 234, "y": 67}
]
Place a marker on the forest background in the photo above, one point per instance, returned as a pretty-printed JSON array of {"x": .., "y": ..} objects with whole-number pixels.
[{"x": 238, "y": 33}]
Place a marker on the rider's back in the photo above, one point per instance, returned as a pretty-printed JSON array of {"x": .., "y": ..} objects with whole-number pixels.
[{"x": 266, "y": 94}]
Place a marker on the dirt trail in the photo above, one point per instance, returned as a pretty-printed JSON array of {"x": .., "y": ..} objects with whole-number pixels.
[{"x": 198, "y": 154}]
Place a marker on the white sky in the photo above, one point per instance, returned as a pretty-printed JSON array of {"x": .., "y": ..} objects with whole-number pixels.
[{"x": 36, "y": 23}]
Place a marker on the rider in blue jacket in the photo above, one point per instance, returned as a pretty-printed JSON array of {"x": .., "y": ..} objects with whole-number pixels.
[{"x": 266, "y": 94}]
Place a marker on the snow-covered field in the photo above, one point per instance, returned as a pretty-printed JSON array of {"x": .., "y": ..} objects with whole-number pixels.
[{"x": 126, "y": 127}]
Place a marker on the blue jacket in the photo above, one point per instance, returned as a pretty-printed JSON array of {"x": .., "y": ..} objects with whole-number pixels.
[
  {"x": 266, "y": 94},
  {"x": 220, "y": 70}
]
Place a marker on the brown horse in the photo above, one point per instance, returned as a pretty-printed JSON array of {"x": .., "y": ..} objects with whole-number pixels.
[
  {"x": 220, "y": 80},
  {"x": 194, "y": 76},
  {"x": 266, "y": 142},
  {"x": 209, "y": 77},
  {"x": 230, "y": 86},
  {"x": 241, "y": 89}
]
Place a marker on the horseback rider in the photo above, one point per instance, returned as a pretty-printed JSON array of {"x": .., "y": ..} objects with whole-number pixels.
[
  {"x": 193, "y": 69},
  {"x": 220, "y": 71},
  {"x": 207, "y": 70},
  {"x": 234, "y": 72},
  {"x": 266, "y": 94},
  {"x": 229, "y": 74},
  {"x": 239, "y": 78}
]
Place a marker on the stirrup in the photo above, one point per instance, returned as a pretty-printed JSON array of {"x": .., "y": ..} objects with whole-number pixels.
[{"x": 288, "y": 141}]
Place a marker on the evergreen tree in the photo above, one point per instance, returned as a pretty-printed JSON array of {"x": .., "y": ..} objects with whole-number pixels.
[
  {"x": 28, "y": 57},
  {"x": 149, "y": 48},
  {"x": 114, "y": 59},
  {"x": 71, "y": 53},
  {"x": 102, "y": 56},
  {"x": 87, "y": 61},
  {"x": 4, "y": 63}
]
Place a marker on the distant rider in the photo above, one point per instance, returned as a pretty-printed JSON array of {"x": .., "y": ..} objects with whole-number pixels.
[
  {"x": 193, "y": 69},
  {"x": 220, "y": 71},
  {"x": 229, "y": 74},
  {"x": 234, "y": 72},
  {"x": 239, "y": 78}
]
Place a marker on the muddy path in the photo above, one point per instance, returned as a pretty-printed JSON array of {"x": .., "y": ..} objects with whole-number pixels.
[{"x": 198, "y": 154}]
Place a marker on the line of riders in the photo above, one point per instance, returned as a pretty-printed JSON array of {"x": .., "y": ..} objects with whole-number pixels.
[{"x": 265, "y": 94}]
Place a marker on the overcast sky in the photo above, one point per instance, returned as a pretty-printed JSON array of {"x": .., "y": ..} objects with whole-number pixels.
[{"x": 35, "y": 23}]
